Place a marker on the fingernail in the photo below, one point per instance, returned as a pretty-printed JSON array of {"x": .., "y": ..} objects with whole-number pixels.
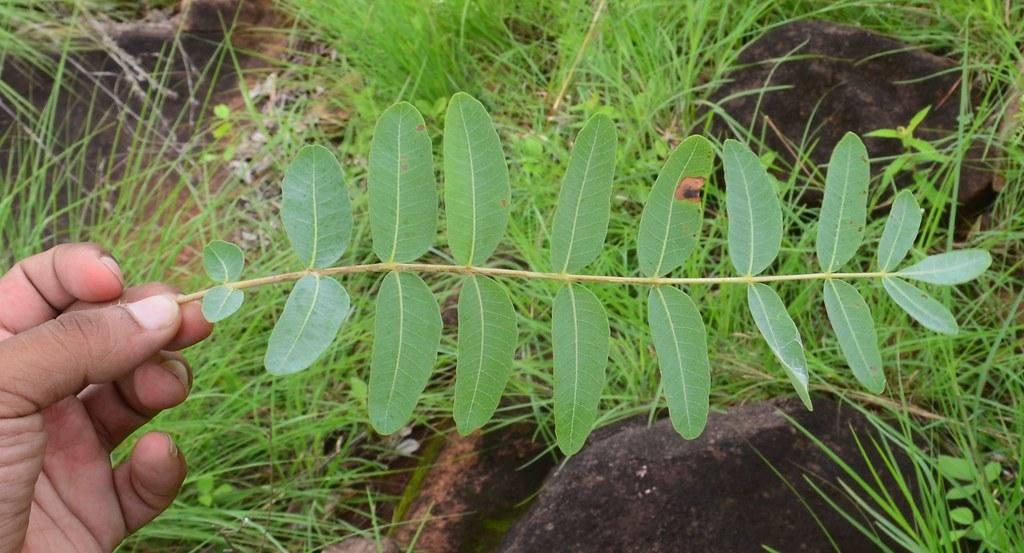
[
  {"x": 154, "y": 312},
  {"x": 111, "y": 264},
  {"x": 171, "y": 448},
  {"x": 179, "y": 370}
]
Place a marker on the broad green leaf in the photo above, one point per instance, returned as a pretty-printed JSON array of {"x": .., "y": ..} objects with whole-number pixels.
[
  {"x": 855, "y": 329},
  {"x": 900, "y": 231},
  {"x": 680, "y": 341},
  {"x": 920, "y": 306},
  {"x": 402, "y": 192},
  {"x": 672, "y": 215},
  {"x": 476, "y": 189},
  {"x": 406, "y": 336},
  {"x": 962, "y": 492},
  {"x": 961, "y": 515},
  {"x": 221, "y": 302},
  {"x": 580, "y": 339},
  {"x": 584, "y": 202},
  {"x": 845, "y": 206},
  {"x": 992, "y": 471},
  {"x": 954, "y": 267},
  {"x": 313, "y": 314},
  {"x": 315, "y": 207},
  {"x": 955, "y": 468},
  {"x": 223, "y": 261},
  {"x": 755, "y": 217},
  {"x": 781, "y": 334},
  {"x": 487, "y": 343}
]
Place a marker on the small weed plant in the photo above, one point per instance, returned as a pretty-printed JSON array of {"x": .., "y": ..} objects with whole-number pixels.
[{"x": 403, "y": 215}]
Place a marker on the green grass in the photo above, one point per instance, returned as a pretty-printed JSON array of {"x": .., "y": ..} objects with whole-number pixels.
[{"x": 298, "y": 453}]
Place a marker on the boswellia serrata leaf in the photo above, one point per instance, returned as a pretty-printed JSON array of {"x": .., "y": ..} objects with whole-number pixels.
[
  {"x": 400, "y": 185},
  {"x": 672, "y": 216},
  {"x": 407, "y": 333},
  {"x": 855, "y": 329},
  {"x": 755, "y": 217},
  {"x": 845, "y": 206},
  {"x": 580, "y": 340},
  {"x": 223, "y": 261},
  {"x": 476, "y": 189},
  {"x": 315, "y": 207},
  {"x": 680, "y": 341},
  {"x": 584, "y": 203},
  {"x": 900, "y": 231},
  {"x": 313, "y": 314},
  {"x": 780, "y": 332}
]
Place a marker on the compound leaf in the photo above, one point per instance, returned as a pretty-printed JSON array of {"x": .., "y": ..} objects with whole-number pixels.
[
  {"x": 851, "y": 320},
  {"x": 949, "y": 268},
  {"x": 845, "y": 206},
  {"x": 580, "y": 341},
  {"x": 477, "y": 193},
  {"x": 781, "y": 334},
  {"x": 672, "y": 215},
  {"x": 315, "y": 207},
  {"x": 487, "y": 343},
  {"x": 221, "y": 302},
  {"x": 407, "y": 334},
  {"x": 680, "y": 341},
  {"x": 313, "y": 314},
  {"x": 920, "y": 306},
  {"x": 584, "y": 202},
  {"x": 223, "y": 261},
  {"x": 900, "y": 231},
  {"x": 755, "y": 217},
  {"x": 402, "y": 192}
]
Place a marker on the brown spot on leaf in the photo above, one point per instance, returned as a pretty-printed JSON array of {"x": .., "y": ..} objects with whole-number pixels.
[
  {"x": 405, "y": 167},
  {"x": 503, "y": 203},
  {"x": 689, "y": 189},
  {"x": 421, "y": 127}
]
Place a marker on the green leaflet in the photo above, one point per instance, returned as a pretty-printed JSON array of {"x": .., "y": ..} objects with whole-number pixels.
[
  {"x": 402, "y": 192},
  {"x": 781, "y": 334},
  {"x": 406, "y": 336},
  {"x": 313, "y": 314},
  {"x": 580, "y": 341},
  {"x": 672, "y": 215},
  {"x": 900, "y": 231},
  {"x": 680, "y": 341},
  {"x": 851, "y": 320},
  {"x": 920, "y": 306},
  {"x": 487, "y": 343},
  {"x": 584, "y": 202},
  {"x": 221, "y": 302},
  {"x": 223, "y": 261},
  {"x": 476, "y": 189},
  {"x": 949, "y": 268},
  {"x": 845, "y": 206},
  {"x": 755, "y": 217},
  {"x": 315, "y": 207}
]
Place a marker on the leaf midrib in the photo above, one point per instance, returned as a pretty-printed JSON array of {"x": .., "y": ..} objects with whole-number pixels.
[
  {"x": 480, "y": 362},
  {"x": 398, "y": 353},
  {"x": 579, "y": 202},
  {"x": 398, "y": 187},
  {"x": 305, "y": 321},
  {"x": 839, "y": 221},
  {"x": 671, "y": 210},
  {"x": 576, "y": 367},
  {"x": 679, "y": 358},
  {"x": 472, "y": 185},
  {"x": 891, "y": 247},
  {"x": 849, "y": 324}
]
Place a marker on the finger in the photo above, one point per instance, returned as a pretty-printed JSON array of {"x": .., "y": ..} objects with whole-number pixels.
[
  {"x": 60, "y": 357},
  {"x": 40, "y": 287},
  {"x": 149, "y": 480},
  {"x": 119, "y": 408},
  {"x": 194, "y": 327}
]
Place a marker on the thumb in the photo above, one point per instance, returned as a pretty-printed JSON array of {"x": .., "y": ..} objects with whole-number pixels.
[{"x": 60, "y": 357}]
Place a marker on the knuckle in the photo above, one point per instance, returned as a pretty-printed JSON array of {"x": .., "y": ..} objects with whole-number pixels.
[{"x": 83, "y": 336}]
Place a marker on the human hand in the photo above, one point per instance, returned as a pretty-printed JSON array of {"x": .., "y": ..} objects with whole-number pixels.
[{"x": 83, "y": 364}]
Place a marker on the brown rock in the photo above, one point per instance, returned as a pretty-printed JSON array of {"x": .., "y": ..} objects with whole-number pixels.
[
  {"x": 639, "y": 488},
  {"x": 828, "y": 79}
]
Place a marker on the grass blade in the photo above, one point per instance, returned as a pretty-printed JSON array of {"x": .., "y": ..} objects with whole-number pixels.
[
  {"x": 672, "y": 215},
  {"x": 477, "y": 193},
  {"x": 223, "y": 261},
  {"x": 221, "y": 302},
  {"x": 407, "y": 333},
  {"x": 580, "y": 339},
  {"x": 755, "y": 217},
  {"x": 845, "y": 206},
  {"x": 680, "y": 341},
  {"x": 780, "y": 333},
  {"x": 956, "y": 267},
  {"x": 315, "y": 207},
  {"x": 400, "y": 184},
  {"x": 920, "y": 306},
  {"x": 312, "y": 316},
  {"x": 487, "y": 343},
  {"x": 900, "y": 231},
  {"x": 855, "y": 329},
  {"x": 584, "y": 202}
]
